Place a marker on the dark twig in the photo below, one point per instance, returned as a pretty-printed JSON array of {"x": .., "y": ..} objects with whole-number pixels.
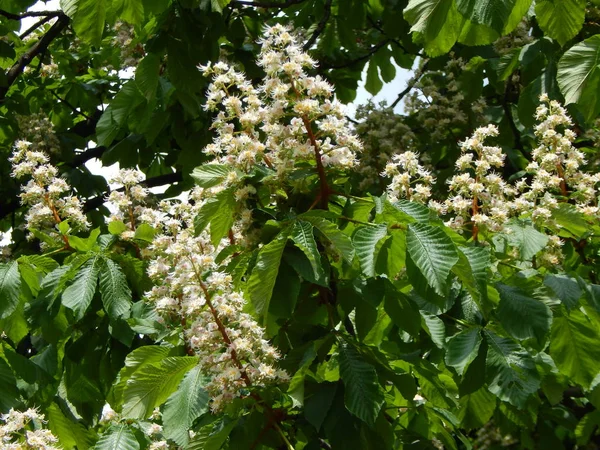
[
  {"x": 75, "y": 110},
  {"x": 371, "y": 51},
  {"x": 411, "y": 83},
  {"x": 509, "y": 116},
  {"x": 35, "y": 26},
  {"x": 82, "y": 158},
  {"x": 40, "y": 47},
  {"x": 286, "y": 4},
  {"x": 321, "y": 26},
  {"x": 12, "y": 16}
]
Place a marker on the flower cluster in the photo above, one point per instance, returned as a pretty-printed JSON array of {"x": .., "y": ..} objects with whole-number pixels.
[
  {"x": 478, "y": 194},
  {"x": 293, "y": 110},
  {"x": 127, "y": 203},
  {"x": 46, "y": 193},
  {"x": 124, "y": 39},
  {"x": 409, "y": 179},
  {"x": 24, "y": 430}
]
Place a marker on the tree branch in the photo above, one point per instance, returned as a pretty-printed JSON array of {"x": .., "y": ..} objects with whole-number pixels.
[
  {"x": 371, "y": 51},
  {"x": 411, "y": 84},
  {"x": 40, "y": 47},
  {"x": 320, "y": 27},
  {"x": 12, "y": 16},
  {"x": 35, "y": 26}
]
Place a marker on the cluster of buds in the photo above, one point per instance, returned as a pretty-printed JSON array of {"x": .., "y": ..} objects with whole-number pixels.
[
  {"x": 24, "y": 430},
  {"x": 46, "y": 193}
]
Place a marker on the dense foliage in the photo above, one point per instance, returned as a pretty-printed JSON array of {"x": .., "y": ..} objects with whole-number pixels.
[{"x": 307, "y": 280}]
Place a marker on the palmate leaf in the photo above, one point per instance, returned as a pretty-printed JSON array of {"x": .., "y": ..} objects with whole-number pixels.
[
  {"x": 264, "y": 274},
  {"x": 152, "y": 385},
  {"x": 433, "y": 252},
  {"x": 69, "y": 434},
  {"x": 362, "y": 396},
  {"x": 365, "y": 243},
  {"x": 565, "y": 288},
  {"x": 560, "y": 19},
  {"x": 522, "y": 316},
  {"x": 574, "y": 345},
  {"x": 510, "y": 370},
  {"x": 10, "y": 288},
  {"x": 184, "y": 406},
  {"x": 80, "y": 293},
  {"x": 115, "y": 292},
  {"x": 303, "y": 237},
  {"x": 118, "y": 437},
  {"x": 579, "y": 76},
  {"x": 462, "y": 349}
]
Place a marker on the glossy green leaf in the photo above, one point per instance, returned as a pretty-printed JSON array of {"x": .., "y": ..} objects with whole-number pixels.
[
  {"x": 437, "y": 20},
  {"x": 565, "y": 288},
  {"x": 209, "y": 175},
  {"x": 332, "y": 234},
  {"x": 362, "y": 394},
  {"x": 303, "y": 237},
  {"x": 10, "y": 288},
  {"x": 365, "y": 242},
  {"x": 433, "y": 252},
  {"x": 88, "y": 17},
  {"x": 526, "y": 239},
  {"x": 492, "y": 13},
  {"x": 147, "y": 73},
  {"x": 115, "y": 292},
  {"x": 462, "y": 349},
  {"x": 476, "y": 409},
  {"x": 78, "y": 296},
  {"x": 560, "y": 19}
]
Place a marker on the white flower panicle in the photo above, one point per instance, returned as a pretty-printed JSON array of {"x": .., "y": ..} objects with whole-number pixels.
[
  {"x": 318, "y": 127},
  {"x": 410, "y": 180},
  {"x": 47, "y": 195},
  {"x": 24, "y": 430},
  {"x": 128, "y": 204}
]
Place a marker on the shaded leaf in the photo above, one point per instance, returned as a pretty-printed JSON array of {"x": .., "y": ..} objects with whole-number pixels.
[{"x": 365, "y": 243}]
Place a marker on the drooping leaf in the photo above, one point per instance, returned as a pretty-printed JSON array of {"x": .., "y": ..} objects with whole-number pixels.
[
  {"x": 147, "y": 74},
  {"x": 510, "y": 370},
  {"x": 264, "y": 274},
  {"x": 333, "y": 234},
  {"x": 211, "y": 437},
  {"x": 476, "y": 409},
  {"x": 492, "y": 13},
  {"x": 218, "y": 212},
  {"x": 433, "y": 252},
  {"x": 373, "y": 83},
  {"x": 10, "y": 288},
  {"x": 152, "y": 385},
  {"x": 118, "y": 437},
  {"x": 130, "y": 11},
  {"x": 80, "y": 293},
  {"x": 522, "y": 316},
  {"x": 69, "y": 434},
  {"x": 9, "y": 393},
  {"x": 115, "y": 116},
  {"x": 462, "y": 349},
  {"x": 437, "y": 20},
  {"x": 116, "y": 295},
  {"x": 88, "y": 18},
  {"x": 579, "y": 76},
  {"x": 209, "y": 175},
  {"x": 574, "y": 345},
  {"x": 436, "y": 329},
  {"x": 362, "y": 395},
  {"x": 560, "y": 19},
  {"x": 566, "y": 289},
  {"x": 303, "y": 237},
  {"x": 365, "y": 243},
  {"x": 184, "y": 406}
]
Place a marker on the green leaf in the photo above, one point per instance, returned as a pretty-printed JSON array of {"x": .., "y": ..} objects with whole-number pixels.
[
  {"x": 84, "y": 244},
  {"x": 433, "y": 252},
  {"x": 144, "y": 232},
  {"x": 119, "y": 109},
  {"x": 70, "y": 434},
  {"x": 365, "y": 243},
  {"x": 560, "y": 19},
  {"x": 373, "y": 84},
  {"x": 303, "y": 237},
  {"x": 510, "y": 370},
  {"x": 209, "y": 175},
  {"x": 211, "y": 437},
  {"x": 492, "y": 13},
  {"x": 574, "y": 345},
  {"x": 130, "y": 11},
  {"x": 587, "y": 427},
  {"x": 218, "y": 212},
  {"x": 152, "y": 385},
  {"x": 571, "y": 220},
  {"x": 118, "y": 437},
  {"x": 9, "y": 393},
  {"x": 579, "y": 76},
  {"x": 476, "y": 409},
  {"x": 264, "y": 274},
  {"x": 526, "y": 239},
  {"x": 437, "y": 20},
  {"x": 88, "y": 18},
  {"x": 80, "y": 293},
  {"x": 565, "y": 288},
  {"x": 218, "y": 5},
  {"x": 147, "y": 74},
  {"x": 333, "y": 234},
  {"x": 10, "y": 288},
  {"x": 436, "y": 329},
  {"x": 117, "y": 227},
  {"x": 184, "y": 406},
  {"x": 362, "y": 395},
  {"x": 115, "y": 292},
  {"x": 462, "y": 349},
  {"x": 522, "y": 316},
  {"x": 402, "y": 311}
]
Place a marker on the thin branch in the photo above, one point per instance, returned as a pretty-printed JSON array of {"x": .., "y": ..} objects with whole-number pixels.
[
  {"x": 411, "y": 84},
  {"x": 12, "y": 16},
  {"x": 40, "y": 47},
  {"x": 286, "y": 4},
  {"x": 35, "y": 26},
  {"x": 371, "y": 51},
  {"x": 75, "y": 110},
  {"x": 321, "y": 26},
  {"x": 82, "y": 158}
]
